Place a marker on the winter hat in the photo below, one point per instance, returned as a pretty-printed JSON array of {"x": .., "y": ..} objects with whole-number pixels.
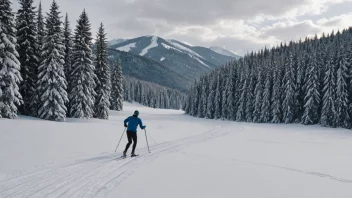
[{"x": 136, "y": 113}]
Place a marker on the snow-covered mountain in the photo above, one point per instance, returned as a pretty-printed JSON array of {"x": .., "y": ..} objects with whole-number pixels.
[
  {"x": 115, "y": 41},
  {"x": 223, "y": 51},
  {"x": 185, "y": 60}
]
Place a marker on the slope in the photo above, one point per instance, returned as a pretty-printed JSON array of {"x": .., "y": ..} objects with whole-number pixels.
[
  {"x": 150, "y": 70},
  {"x": 189, "y": 157},
  {"x": 190, "y": 62}
]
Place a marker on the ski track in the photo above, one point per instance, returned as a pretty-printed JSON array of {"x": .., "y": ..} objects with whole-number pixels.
[
  {"x": 316, "y": 174},
  {"x": 95, "y": 176}
]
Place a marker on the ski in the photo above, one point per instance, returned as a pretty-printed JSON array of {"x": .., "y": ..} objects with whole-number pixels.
[{"x": 134, "y": 156}]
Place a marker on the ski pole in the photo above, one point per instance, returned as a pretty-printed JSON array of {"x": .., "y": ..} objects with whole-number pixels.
[
  {"x": 120, "y": 140},
  {"x": 146, "y": 139}
]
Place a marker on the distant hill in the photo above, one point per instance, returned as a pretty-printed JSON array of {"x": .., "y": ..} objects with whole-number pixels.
[
  {"x": 149, "y": 70},
  {"x": 224, "y": 51},
  {"x": 188, "y": 62}
]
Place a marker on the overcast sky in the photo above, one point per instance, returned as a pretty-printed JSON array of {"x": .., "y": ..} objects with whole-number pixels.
[{"x": 238, "y": 25}]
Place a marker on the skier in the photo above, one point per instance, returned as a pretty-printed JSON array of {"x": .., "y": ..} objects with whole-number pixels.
[{"x": 133, "y": 122}]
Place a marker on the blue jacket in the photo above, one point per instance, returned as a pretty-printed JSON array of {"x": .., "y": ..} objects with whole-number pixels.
[{"x": 133, "y": 123}]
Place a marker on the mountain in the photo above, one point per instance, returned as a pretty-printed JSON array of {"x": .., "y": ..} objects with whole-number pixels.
[
  {"x": 149, "y": 70},
  {"x": 115, "y": 41},
  {"x": 188, "y": 61},
  {"x": 223, "y": 51}
]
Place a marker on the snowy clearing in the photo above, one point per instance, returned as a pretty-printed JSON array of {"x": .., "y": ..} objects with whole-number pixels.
[
  {"x": 186, "y": 49},
  {"x": 169, "y": 47},
  {"x": 154, "y": 43},
  {"x": 189, "y": 157},
  {"x": 127, "y": 48}
]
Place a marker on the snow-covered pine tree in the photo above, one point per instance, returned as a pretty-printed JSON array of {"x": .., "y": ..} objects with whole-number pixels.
[
  {"x": 225, "y": 92},
  {"x": 51, "y": 79},
  {"x": 195, "y": 97},
  {"x": 10, "y": 77},
  {"x": 117, "y": 89},
  {"x": 328, "y": 110},
  {"x": 241, "y": 110},
  {"x": 211, "y": 97},
  {"x": 258, "y": 95},
  {"x": 276, "y": 96},
  {"x": 266, "y": 108},
  {"x": 68, "y": 55},
  {"x": 289, "y": 90},
  {"x": 205, "y": 93},
  {"x": 229, "y": 105},
  {"x": 250, "y": 90},
  {"x": 217, "y": 112},
  {"x": 312, "y": 95},
  {"x": 28, "y": 55},
  {"x": 102, "y": 71},
  {"x": 82, "y": 94},
  {"x": 341, "y": 102},
  {"x": 200, "y": 99},
  {"x": 40, "y": 26}
]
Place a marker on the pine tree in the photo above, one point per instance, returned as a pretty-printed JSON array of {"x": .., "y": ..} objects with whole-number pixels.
[
  {"x": 28, "y": 55},
  {"x": 301, "y": 68},
  {"x": 328, "y": 111},
  {"x": 51, "y": 79},
  {"x": 258, "y": 98},
  {"x": 250, "y": 95},
  {"x": 342, "y": 103},
  {"x": 40, "y": 39},
  {"x": 241, "y": 111},
  {"x": 82, "y": 94},
  {"x": 276, "y": 97},
  {"x": 312, "y": 95},
  {"x": 102, "y": 71},
  {"x": 228, "y": 103},
  {"x": 217, "y": 112},
  {"x": 117, "y": 89},
  {"x": 68, "y": 54},
  {"x": 266, "y": 108},
  {"x": 205, "y": 93},
  {"x": 289, "y": 90},
  {"x": 40, "y": 27},
  {"x": 10, "y": 77},
  {"x": 211, "y": 97}
]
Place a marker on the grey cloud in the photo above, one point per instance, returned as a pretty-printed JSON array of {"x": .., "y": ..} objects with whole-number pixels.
[
  {"x": 286, "y": 31},
  {"x": 132, "y": 18}
]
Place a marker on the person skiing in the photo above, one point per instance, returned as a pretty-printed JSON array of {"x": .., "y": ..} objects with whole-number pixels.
[{"x": 133, "y": 122}]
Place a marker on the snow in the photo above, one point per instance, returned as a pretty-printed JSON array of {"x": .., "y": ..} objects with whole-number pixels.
[
  {"x": 116, "y": 41},
  {"x": 183, "y": 48},
  {"x": 169, "y": 47},
  {"x": 154, "y": 43},
  {"x": 222, "y": 51},
  {"x": 201, "y": 62},
  {"x": 127, "y": 48},
  {"x": 162, "y": 59},
  {"x": 190, "y": 52},
  {"x": 189, "y": 157}
]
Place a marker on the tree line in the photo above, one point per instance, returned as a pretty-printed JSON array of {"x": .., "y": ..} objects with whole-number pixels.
[
  {"x": 308, "y": 82},
  {"x": 46, "y": 71},
  {"x": 152, "y": 95}
]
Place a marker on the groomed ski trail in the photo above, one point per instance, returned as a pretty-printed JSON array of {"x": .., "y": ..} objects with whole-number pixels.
[{"x": 93, "y": 177}]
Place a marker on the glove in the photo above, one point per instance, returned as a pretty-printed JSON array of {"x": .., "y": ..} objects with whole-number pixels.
[
  {"x": 145, "y": 126},
  {"x": 125, "y": 125}
]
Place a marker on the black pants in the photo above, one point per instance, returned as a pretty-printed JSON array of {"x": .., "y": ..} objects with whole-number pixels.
[{"x": 131, "y": 136}]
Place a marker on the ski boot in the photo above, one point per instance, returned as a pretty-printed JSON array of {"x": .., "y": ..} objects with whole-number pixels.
[{"x": 134, "y": 155}]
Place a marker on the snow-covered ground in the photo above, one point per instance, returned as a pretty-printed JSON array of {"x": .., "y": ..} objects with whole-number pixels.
[
  {"x": 126, "y": 48},
  {"x": 189, "y": 157},
  {"x": 154, "y": 43}
]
